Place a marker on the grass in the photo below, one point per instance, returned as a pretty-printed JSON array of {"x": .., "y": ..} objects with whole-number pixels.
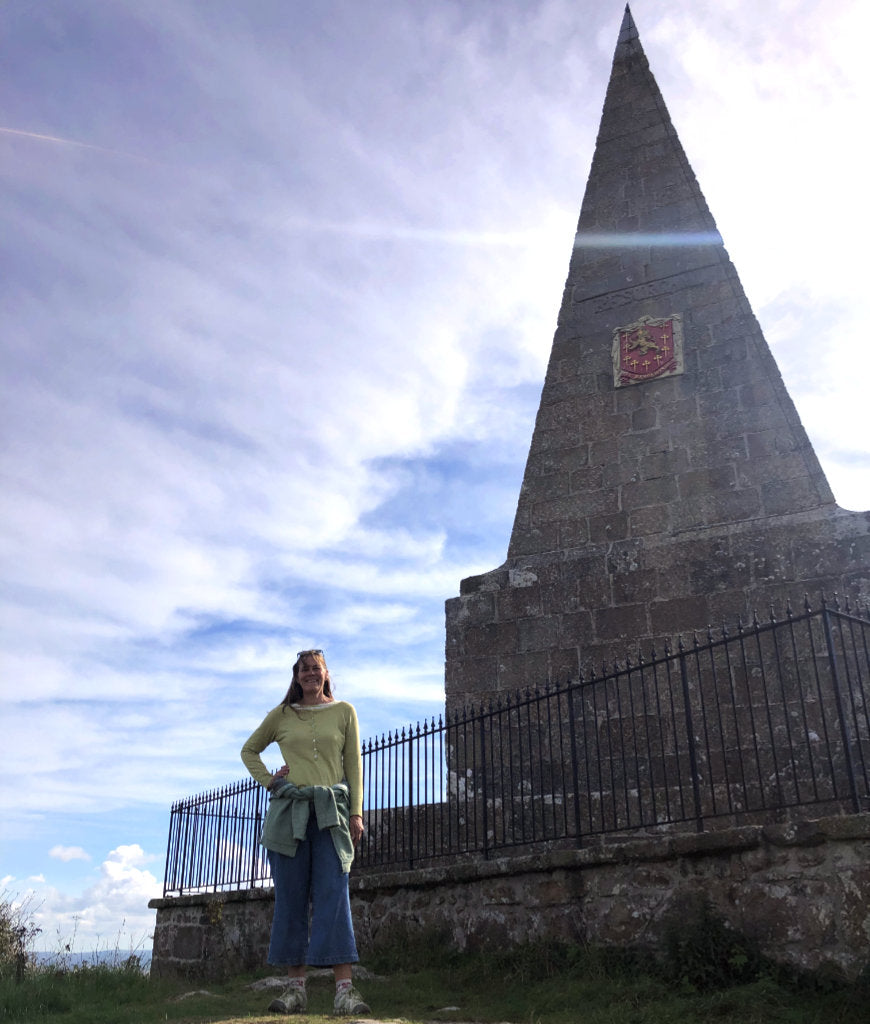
[
  {"x": 536, "y": 985},
  {"x": 705, "y": 972}
]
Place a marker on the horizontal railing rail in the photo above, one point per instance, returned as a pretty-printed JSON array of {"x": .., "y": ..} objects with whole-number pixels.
[{"x": 757, "y": 724}]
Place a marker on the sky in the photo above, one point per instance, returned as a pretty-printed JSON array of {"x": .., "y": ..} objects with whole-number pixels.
[{"x": 279, "y": 283}]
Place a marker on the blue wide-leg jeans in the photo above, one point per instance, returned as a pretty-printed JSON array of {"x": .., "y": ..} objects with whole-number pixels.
[{"x": 311, "y": 923}]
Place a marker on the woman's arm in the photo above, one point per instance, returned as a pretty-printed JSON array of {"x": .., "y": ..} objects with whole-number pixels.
[
  {"x": 255, "y": 744},
  {"x": 352, "y": 760}
]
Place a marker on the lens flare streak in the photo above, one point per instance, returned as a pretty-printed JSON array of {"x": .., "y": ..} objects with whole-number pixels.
[{"x": 657, "y": 239}]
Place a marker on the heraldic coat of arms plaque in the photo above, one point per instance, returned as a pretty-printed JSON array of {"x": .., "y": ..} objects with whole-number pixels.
[{"x": 647, "y": 349}]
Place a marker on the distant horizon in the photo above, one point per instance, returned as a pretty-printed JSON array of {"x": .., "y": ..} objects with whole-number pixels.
[{"x": 94, "y": 956}]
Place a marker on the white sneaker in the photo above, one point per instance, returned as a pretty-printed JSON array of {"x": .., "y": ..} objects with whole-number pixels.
[
  {"x": 293, "y": 999},
  {"x": 349, "y": 1002}
]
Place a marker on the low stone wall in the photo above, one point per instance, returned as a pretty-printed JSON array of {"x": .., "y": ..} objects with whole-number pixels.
[
  {"x": 212, "y": 935},
  {"x": 801, "y": 890}
]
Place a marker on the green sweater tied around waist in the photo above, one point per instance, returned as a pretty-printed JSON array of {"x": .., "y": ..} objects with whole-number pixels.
[{"x": 286, "y": 821}]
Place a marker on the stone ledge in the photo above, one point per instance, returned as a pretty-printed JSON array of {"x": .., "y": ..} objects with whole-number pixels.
[
  {"x": 202, "y": 899},
  {"x": 636, "y": 849},
  {"x": 813, "y": 833}
]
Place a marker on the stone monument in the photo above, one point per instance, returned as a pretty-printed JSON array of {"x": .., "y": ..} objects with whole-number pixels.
[{"x": 670, "y": 483}]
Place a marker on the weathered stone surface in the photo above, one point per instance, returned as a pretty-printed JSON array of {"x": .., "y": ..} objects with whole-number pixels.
[
  {"x": 211, "y": 936},
  {"x": 802, "y": 890},
  {"x": 808, "y": 913}
]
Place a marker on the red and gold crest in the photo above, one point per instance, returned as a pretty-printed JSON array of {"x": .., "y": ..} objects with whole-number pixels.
[{"x": 647, "y": 349}]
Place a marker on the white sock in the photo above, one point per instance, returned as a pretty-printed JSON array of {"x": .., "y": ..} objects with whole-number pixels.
[{"x": 344, "y": 985}]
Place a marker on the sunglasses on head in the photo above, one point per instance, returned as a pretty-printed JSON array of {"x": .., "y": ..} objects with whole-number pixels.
[{"x": 314, "y": 650}]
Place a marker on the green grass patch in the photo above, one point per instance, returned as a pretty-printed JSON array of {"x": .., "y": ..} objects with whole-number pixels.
[
  {"x": 535, "y": 985},
  {"x": 705, "y": 972},
  {"x": 724, "y": 979}
]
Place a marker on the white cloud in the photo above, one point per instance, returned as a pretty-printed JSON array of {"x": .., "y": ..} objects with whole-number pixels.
[
  {"x": 67, "y": 853},
  {"x": 782, "y": 103},
  {"x": 110, "y": 914}
]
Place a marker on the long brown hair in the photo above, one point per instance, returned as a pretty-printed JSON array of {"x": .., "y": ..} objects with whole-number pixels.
[{"x": 294, "y": 694}]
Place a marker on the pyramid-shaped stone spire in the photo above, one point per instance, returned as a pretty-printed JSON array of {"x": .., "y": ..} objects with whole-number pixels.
[
  {"x": 642, "y": 204},
  {"x": 717, "y": 441},
  {"x": 669, "y": 483}
]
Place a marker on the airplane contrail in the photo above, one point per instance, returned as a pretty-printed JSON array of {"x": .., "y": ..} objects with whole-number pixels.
[
  {"x": 73, "y": 142},
  {"x": 48, "y": 138}
]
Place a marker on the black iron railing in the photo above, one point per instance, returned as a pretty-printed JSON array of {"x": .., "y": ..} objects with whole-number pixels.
[{"x": 767, "y": 722}]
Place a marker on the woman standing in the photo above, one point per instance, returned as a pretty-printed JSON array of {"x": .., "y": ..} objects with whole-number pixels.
[{"x": 313, "y": 824}]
